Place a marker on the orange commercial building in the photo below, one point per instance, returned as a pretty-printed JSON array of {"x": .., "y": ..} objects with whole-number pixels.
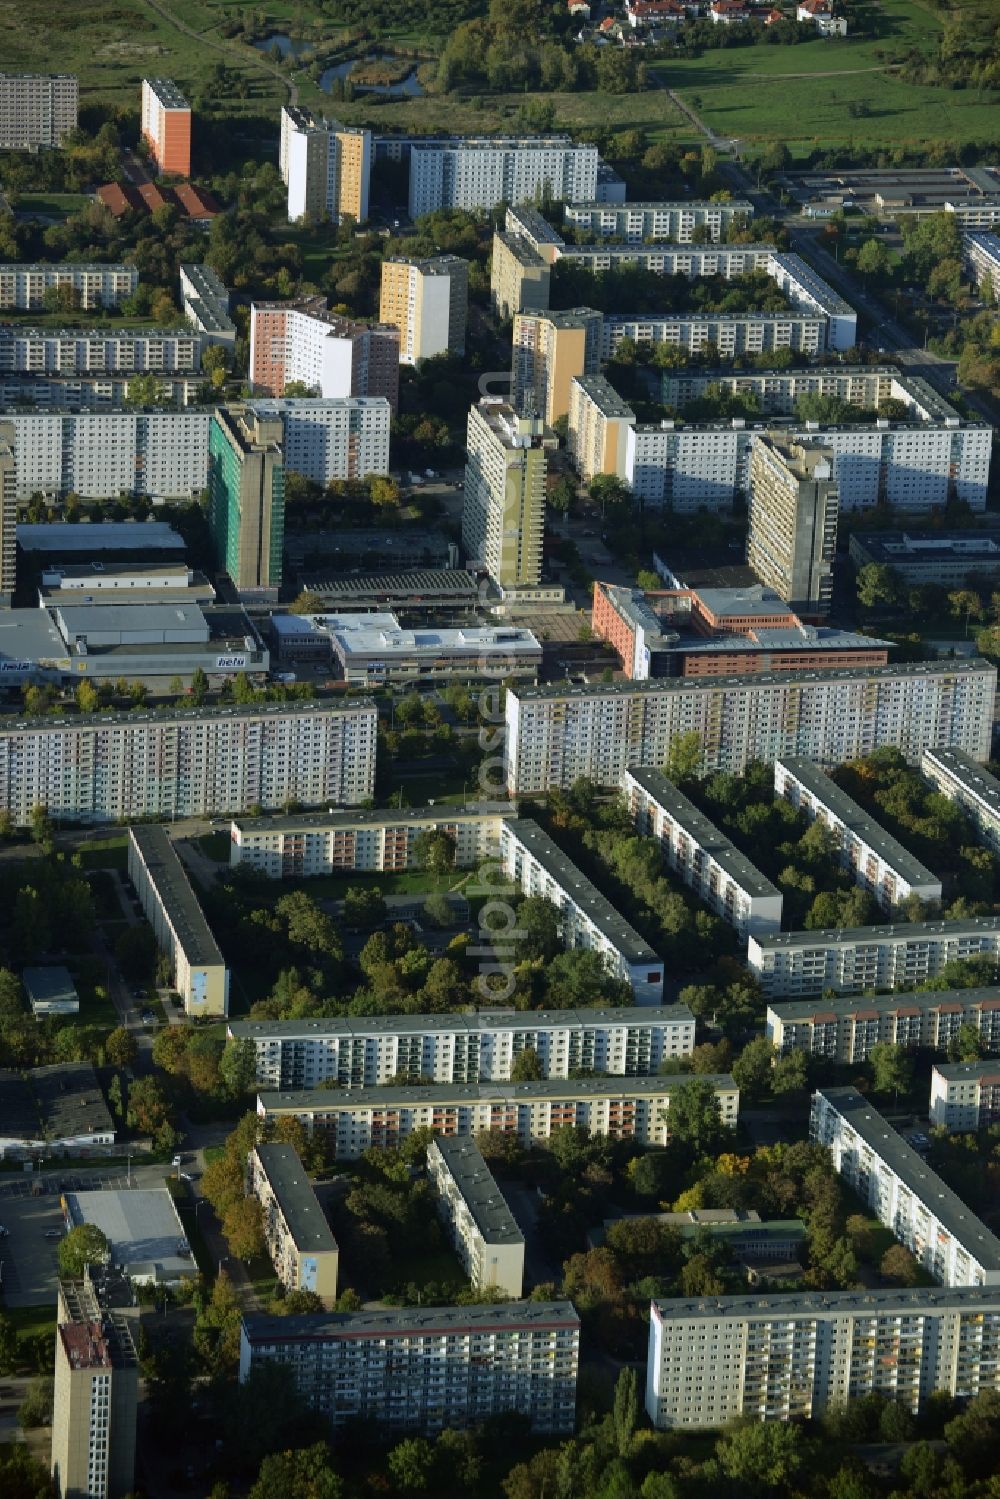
[
  {"x": 718, "y": 632},
  {"x": 166, "y": 126}
]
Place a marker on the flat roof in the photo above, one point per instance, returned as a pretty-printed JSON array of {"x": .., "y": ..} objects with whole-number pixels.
[
  {"x": 167, "y": 92},
  {"x": 575, "y": 885},
  {"x": 521, "y": 249},
  {"x": 900, "y": 547},
  {"x": 841, "y": 1006},
  {"x": 411, "y": 1321},
  {"x": 666, "y": 205},
  {"x": 174, "y": 890},
  {"x": 966, "y": 667},
  {"x": 902, "y": 931},
  {"x": 108, "y": 536},
  {"x": 915, "y": 1174},
  {"x": 70, "y": 1100},
  {"x": 142, "y": 1227},
  {"x": 828, "y": 1303},
  {"x": 392, "y": 642},
  {"x": 298, "y": 1202},
  {"x": 18, "y": 1111},
  {"x": 461, "y": 1020},
  {"x": 478, "y": 1189},
  {"x": 15, "y": 725},
  {"x": 128, "y": 614},
  {"x": 366, "y": 817},
  {"x": 811, "y": 283},
  {"x": 445, "y": 583},
  {"x": 51, "y": 984},
  {"x": 983, "y": 1070},
  {"x": 64, "y": 267},
  {"x": 856, "y": 819},
  {"x": 326, "y": 1100},
  {"x": 973, "y": 777},
  {"x": 707, "y": 836},
  {"x": 604, "y": 396}
]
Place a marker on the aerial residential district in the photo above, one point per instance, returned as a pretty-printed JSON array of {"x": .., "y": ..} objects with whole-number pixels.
[{"x": 499, "y": 824}]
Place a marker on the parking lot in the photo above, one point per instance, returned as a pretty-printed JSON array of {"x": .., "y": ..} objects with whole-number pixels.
[{"x": 28, "y": 1259}]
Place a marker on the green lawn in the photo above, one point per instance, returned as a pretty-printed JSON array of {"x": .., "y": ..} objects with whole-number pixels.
[
  {"x": 215, "y": 846},
  {"x": 104, "y": 853},
  {"x": 52, "y": 205},
  {"x": 408, "y": 882},
  {"x": 30, "y": 1320}
]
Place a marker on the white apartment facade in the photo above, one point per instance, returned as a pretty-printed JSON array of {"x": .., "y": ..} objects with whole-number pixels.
[
  {"x": 557, "y": 734},
  {"x": 843, "y": 1029},
  {"x": 428, "y": 300},
  {"x": 735, "y": 335},
  {"x": 700, "y": 855},
  {"x": 503, "y": 511},
  {"x": 530, "y": 859},
  {"x": 716, "y": 1360},
  {"x": 78, "y": 351},
  {"x": 866, "y": 386},
  {"x": 981, "y": 252},
  {"x": 481, "y": 173},
  {"x": 479, "y": 1223},
  {"x": 800, "y": 965},
  {"x": 896, "y": 1183},
  {"x": 302, "y": 1249},
  {"x": 37, "y": 109},
  {"x": 877, "y": 862},
  {"x": 806, "y": 290},
  {"x": 958, "y": 776},
  {"x": 965, "y": 1096},
  {"x": 622, "y": 1108},
  {"x": 915, "y": 466},
  {"x": 372, "y": 841},
  {"x": 325, "y": 166},
  {"x": 184, "y": 762},
  {"x": 172, "y": 909},
  {"x": 650, "y": 221},
  {"x": 334, "y": 357},
  {"x": 23, "y": 287},
  {"x": 424, "y": 1369},
  {"x": 474, "y": 1046},
  {"x": 345, "y": 437},
  {"x": 103, "y": 454}
]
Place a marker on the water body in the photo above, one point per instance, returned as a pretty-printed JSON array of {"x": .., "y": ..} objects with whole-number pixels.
[
  {"x": 409, "y": 88},
  {"x": 284, "y": 44}
]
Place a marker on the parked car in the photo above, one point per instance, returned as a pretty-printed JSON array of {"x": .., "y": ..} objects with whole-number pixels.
[{"x": 53, "y": 1233}]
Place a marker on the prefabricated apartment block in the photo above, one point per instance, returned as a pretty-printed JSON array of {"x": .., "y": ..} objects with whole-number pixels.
[
  {"x": 303, "y": 1251},
  {"x": 201, "y": 977},
  {"x": 479, "y": 1223},
  {"x": 844, "y": 1029}
]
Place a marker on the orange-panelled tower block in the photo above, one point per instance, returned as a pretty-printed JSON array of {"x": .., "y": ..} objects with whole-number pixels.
[{"x": 166, "y": 125}]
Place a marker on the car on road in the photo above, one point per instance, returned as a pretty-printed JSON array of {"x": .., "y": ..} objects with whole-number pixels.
[
  {"x": 53, "y": 1233},
  {"x": 147, "y": 1017}
]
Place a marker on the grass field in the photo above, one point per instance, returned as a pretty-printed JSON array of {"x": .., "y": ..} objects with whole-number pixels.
[
  {"x": 104, "y": 853},
  {"x": 51, "y": 205},
  {"x": 753, "y": 93}
]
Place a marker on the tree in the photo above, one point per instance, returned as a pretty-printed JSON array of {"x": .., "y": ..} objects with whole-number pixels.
[
  {"x": 437, "y": 911},
  {"x": 149, "y": 1112},
  {"x": 87, "y": 697},
  {"x": 527, "y": 1067},
  {"x": 384, "y": 493},
  {"x": 243, "y": 1226},
  {"x": 650, "y": 1174},
  {"x": 8, "y": 1346},
  {"x": 752, "y": 1069},
  {"x": 305, "y": 1474},
  {"x": 135, "y": 952},
  {"x": 84, "y": 1245},
  {"x": 966, "y": 1045},
  {"x": 898, "y": 1264},
  {"x": 684, "y": 757},
  {"x": 873, "y": 259},
  {"x": 120, "y": 1048},
  {"x": 790, "y": 1074},
  {"x": 435, "y": 850},
  {"x": 411, "y": 1464},
  {"x": 36, "y": 1407},
  {"x": 238, "y": 1066},
  {"x": 965, "y": 602},
  {"x": 364, "y": 907},
  {"x": 648, "y": 581},
  {"x": 625, "y": 1413},
  {"x": 876, "y": 584},
  {"x": 539, "y": 929},
  {"x": 213, "y": 363},
  {"x": 694, "y": 1118},
  {"x": 761, "y": 1457},
  {"x": 892, "y": 1068},
  {"x": 199, "y": 686}
]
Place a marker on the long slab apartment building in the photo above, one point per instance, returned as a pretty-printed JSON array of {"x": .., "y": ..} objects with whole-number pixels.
[
  {"x": 635, "y": 1108},
  {"x": 23, "y": 287},
  {"x": 172, "y": 909},
  {"x": 465, "y": 1047},
  {"x": 303, "y": 1251},
  {"x": 480, "y": 1225},
  {"x": 700, "y": 855},
  {"x": 556, "y": 734},
  {"x": 667, "y": 220},
  {"x": 78, "y": 351},
  {"x": 853, "y": 960},
  {"x": 896, "y": 1183},
  {"x": 425, "y": 1369},
  {"x": 844, "y": 1029},
  {"x": 965, "y": 1096},
  {"x": 185, "y": 762},
  {"x": 533, "y": 861},
  {"x": 958, "y": 776},
  {"x": 877, "y": 862},
  {"x": 713, "y": 1360}
]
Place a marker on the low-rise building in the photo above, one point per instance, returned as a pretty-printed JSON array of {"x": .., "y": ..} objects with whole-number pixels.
[
  {"x": 146, "y": 1238},
  {"x": 201, "y": 977},
  {"x": 854, "y": 960},
  {"x": 946, "y": 558},
  {"x": 115, "y": 582},
  {"x": 466, "y": 1047},
  {"x": 877, "y": 862},
  {"x": 844, "y": 1029},
  {"x": 714, "y": 1360},
  {"x": 479, "y": 1223},
  {"x": 375, "y": 648},
  {"x": 50, "y": 991},
  {"x": 965, "y": 1096},
  {"x": 961, "y": 778},
  {"x": 699, "y": 854},
  {"x": 635, "y": 1108},
  {"x": 530, "y": 858},
  {"x": 303, "y": 1251},
  {"x": 376, "y": 840},
  {"x": 896, "y": 1183},
  {"x": 58, "y": 1109},
  {"x": 425, "y": 1369}
]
